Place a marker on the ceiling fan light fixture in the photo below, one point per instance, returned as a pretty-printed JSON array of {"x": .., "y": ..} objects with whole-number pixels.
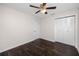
[
  {"x": 43, "y": 8},
  {"x": 43, "y": 11}
]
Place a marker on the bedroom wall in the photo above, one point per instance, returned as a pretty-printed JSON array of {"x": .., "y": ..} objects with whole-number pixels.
[
  {"x": 48, "y": 29},
  {"x": 16, "y": 28},
  {"x": 78, "y": 30}
]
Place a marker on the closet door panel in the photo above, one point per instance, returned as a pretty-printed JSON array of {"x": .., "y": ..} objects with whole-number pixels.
[{"x": 64, "y": 30}]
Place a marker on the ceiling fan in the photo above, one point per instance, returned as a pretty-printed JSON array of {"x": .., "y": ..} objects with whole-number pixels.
[{"x": 43, "y": 8}]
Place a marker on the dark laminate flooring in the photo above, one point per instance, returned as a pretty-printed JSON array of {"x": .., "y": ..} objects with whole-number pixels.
[{"x": 42, "y": 47}]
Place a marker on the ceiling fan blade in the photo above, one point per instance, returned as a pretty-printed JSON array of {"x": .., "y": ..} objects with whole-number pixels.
[
  {"x": 34, "y": 6},
  {"x": 51, "y": 7},
  {"x": 46, "y": 13},
  {"x": 44, "y": 4},
  {"x": 37, "y": 11}
]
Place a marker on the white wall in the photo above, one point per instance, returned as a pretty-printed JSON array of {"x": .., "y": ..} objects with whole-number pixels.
[
  {"x": 78, "y": 30},
  {"x": 16, "y": 28},
  {"x": 48, "y": 29}
]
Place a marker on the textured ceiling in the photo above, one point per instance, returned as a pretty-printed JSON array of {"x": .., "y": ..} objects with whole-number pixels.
[{"x": 24, "y": 7}]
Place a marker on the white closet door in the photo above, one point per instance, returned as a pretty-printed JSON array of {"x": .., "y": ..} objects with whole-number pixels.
[{"x": 64, "y": 30}]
